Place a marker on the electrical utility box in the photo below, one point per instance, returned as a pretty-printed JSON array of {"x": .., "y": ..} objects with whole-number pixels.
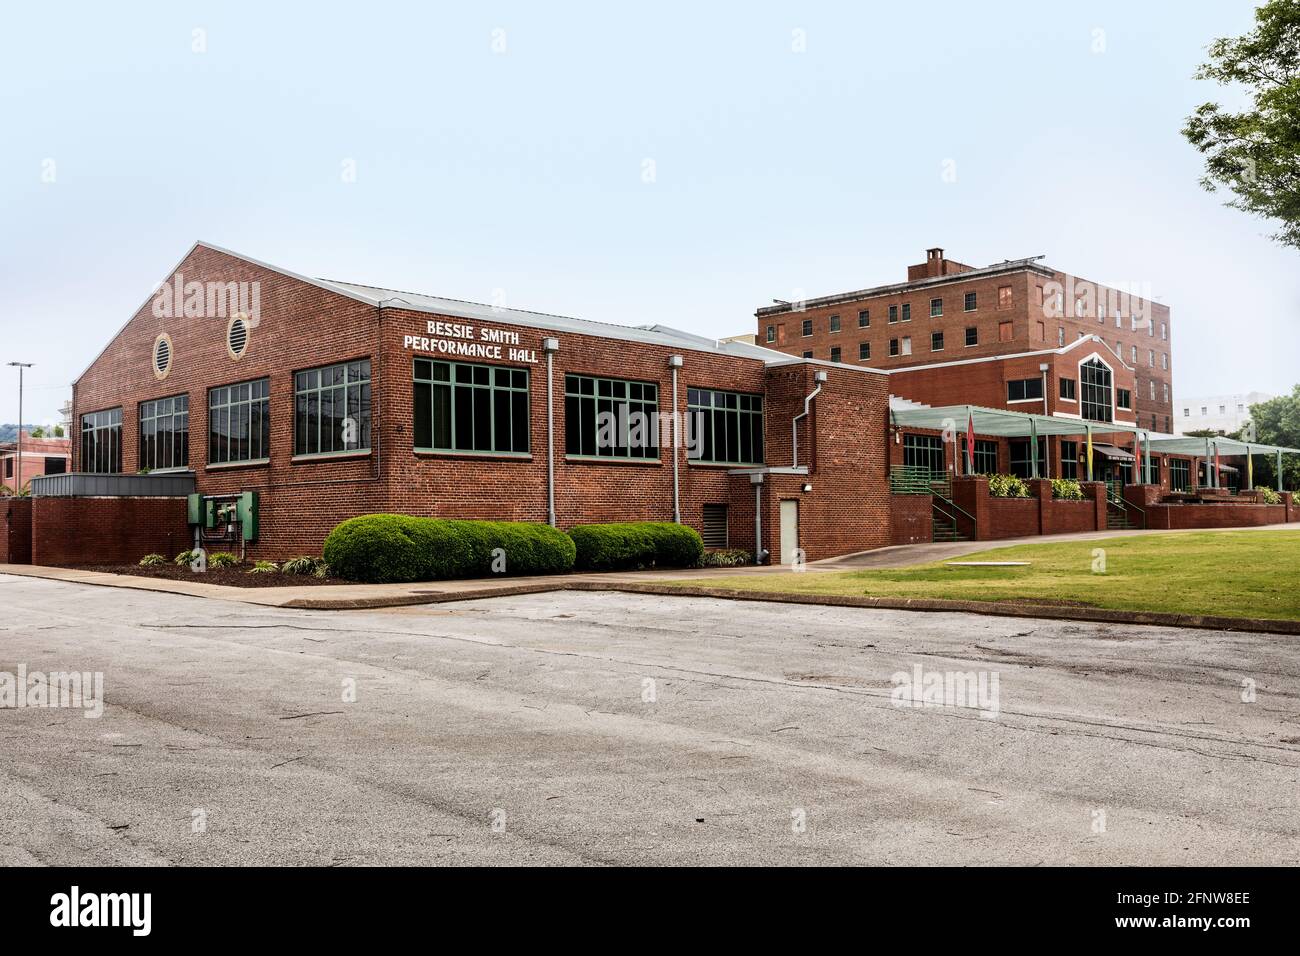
[{"x": 214, "y": 511}]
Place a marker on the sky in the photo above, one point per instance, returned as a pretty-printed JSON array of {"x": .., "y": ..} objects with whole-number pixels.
[{"x": 673, "y": 163}]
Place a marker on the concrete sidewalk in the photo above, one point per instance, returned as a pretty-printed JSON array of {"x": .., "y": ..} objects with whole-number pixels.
[
  {"x": 906, "y": 555},
  {"x": 360, "y": 596}
]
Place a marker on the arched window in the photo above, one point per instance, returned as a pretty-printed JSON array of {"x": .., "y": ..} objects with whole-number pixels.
[{"x": 1095, "y": 391}]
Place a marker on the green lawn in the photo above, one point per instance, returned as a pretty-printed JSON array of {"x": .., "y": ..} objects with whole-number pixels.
[{"x": 1228, "y": 573}]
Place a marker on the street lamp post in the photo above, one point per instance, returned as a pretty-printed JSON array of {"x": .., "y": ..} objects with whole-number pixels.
[{"x": 18, "y": 475}]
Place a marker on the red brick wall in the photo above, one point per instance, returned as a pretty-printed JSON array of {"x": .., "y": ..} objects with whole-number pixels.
[
  {"x": 911, "y": 519},
  {"x": 998, "y": 518},
  {"x": 1214, "y": 516},
  {"x": 15, "y": 530},
  {"x": 1063, "y": 517},
  {"x": 69, "y": 531}
]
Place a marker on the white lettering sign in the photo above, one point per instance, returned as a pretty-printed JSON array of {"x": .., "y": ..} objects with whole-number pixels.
[{"x": 467, "y": 341}]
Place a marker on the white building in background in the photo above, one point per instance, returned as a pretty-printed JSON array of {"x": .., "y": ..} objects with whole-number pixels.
[{"x": 1220, "y": 413}]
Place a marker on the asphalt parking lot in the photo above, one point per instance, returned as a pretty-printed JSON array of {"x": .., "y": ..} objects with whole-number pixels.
[{"x": 607, "y": 728}]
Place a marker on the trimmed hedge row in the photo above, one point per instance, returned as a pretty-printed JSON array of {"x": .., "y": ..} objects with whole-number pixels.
[
  {"x": 634, "y": 545},
  {"x": 388, "y": 548},
  {"x": 397, "y": 548}
]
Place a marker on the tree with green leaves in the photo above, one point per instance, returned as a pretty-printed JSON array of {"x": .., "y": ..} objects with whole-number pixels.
[
  {"x": 1256, "y": 152},
  {"x": 1277, "y": 422},
  {"x": 38, "y": 432}
]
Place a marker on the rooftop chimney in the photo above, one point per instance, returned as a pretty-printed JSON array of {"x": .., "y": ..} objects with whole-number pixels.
[{"x": 933, "y": 262}]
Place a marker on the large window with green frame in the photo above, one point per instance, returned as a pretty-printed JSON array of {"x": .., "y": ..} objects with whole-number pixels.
[
  {"x": 332, "y": 409},
  {"x": 101, "y": 441},
  {"x": 724, "y": 428},
  {"x": 1180, "y": 474},
  {"x": 165, "y": 433},
  {"x": 239, "y": 423},
  {"x": 463, "y": 407},
  {"x": 610, "y": 418},
  {"x": 924, "y": 452}
]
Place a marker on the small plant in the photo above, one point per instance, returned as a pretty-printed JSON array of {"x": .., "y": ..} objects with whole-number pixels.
[
  {"x": 726, "y": 558},
  {"x": 185, "y": 559},
  {"x": 302, "y": 565},
  {"x": 1269, "y": 496},
  {"x": 264, "y": 567},
  {"x": 1067, "y": 489},
  {"x": 322, "y": 570},
  {"x": 152, "y": 561},
  {"x": 222, "y": 559},
  {"x": 1007, "y": 486}
]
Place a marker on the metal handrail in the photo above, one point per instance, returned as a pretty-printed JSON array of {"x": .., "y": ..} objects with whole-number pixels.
[
  {"x": 1121, "y": 502},
  {"x": 958, "y": 508}
]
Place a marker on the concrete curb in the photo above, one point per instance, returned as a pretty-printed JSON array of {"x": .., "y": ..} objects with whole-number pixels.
[
  {"x": 991, "y": 608},
  {"x": 421, "y": 597}
]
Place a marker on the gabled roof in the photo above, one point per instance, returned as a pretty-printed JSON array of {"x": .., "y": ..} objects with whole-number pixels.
[{"x": 383, "y": 298}]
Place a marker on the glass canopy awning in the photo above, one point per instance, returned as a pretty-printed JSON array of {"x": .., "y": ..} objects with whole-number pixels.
[{"x": 1001, "y": 423}]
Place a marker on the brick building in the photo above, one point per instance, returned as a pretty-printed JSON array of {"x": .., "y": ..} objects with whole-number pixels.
[
  {"x": 40, "y": 456},
  {"x": 311, "y": 401},
  {"x": 332, "y": 399},
  {"x": 1017, "y": 335}
]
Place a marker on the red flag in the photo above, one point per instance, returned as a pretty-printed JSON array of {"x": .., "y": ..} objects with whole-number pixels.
[
  {"x": 970, "y": 443},
  {"x": 1218, "y": 475}
]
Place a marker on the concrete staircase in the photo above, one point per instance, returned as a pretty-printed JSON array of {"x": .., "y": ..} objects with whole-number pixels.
[
  {"x": 945, "y": 529},
  {"x": 1117, "y": 518}
]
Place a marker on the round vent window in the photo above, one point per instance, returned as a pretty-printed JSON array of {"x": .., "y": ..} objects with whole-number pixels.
[
  {"x": 237, "y": 336},
  {"x": 162, "y": 355}
]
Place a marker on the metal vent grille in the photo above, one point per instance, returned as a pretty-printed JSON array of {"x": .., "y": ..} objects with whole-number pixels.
[
  {"x": 237, "y": 337},
  {"x": 162, "y": 355},
  {"x": 715, "y": 526}
]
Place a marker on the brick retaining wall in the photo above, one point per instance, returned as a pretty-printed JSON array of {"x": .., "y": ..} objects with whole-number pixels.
[
  {"x": 15, "y": 530},
  {"x": 107, "y": 530}
]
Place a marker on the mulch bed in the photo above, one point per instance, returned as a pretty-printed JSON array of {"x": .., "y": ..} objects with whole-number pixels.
[{"x": 232, "y": 577}]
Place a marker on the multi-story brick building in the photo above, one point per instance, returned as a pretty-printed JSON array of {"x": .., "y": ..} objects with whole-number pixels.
[{"x": 950, "y": 314}]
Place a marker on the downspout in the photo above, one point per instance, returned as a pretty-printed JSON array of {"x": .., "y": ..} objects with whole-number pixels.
[
  {"x": 1047, "y": 441},
  {"x": 550, "y": 346},
  {"x": 757, "y": 479},
  {"x": 819, "y": 378},
  {"x": 1033, "y": 447},
  {"x": 675, "y": 362}
]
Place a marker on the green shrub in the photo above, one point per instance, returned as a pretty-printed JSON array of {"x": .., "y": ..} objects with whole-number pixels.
[
  {"x": 726, "y": 558},
  {"x": 384, "y": 548},
  {"x": 635, "y": 545},
  {"x": 264, "y": 567},
  {"x": 152, "y": 560},
  {"x": 303, "y": 565},
  {"x": 1067, "y": 489},
  {"x": 185, "y": 559},
  {"x": 222, "y": 559},
  {"x": 322, "y": 570},
  {"x": 1007, "y": 486},
  {"x": 1269, "y": 496}
]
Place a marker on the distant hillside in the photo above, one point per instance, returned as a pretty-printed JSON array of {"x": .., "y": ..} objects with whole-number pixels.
[{"x": 9, "y": 431}]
